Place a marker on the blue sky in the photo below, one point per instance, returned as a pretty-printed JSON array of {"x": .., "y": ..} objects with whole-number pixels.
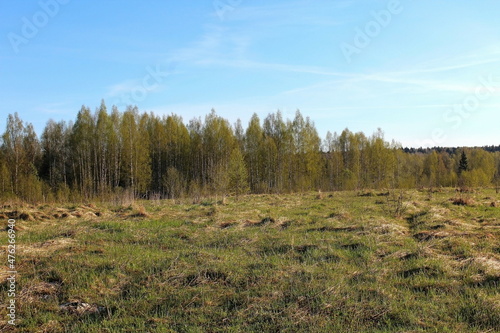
[{"x": 426, "y": 72}]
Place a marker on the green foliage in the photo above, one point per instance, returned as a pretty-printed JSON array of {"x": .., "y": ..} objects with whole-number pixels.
[
  {"x": 104, "y": 154},
  {"x": 481, "y": 168},
  {"x": 174, "y": 183},
  {"x": 136, "y": 167},
  {"x": 254, "y": 153},
  {"x": 238, "y": 174},
  {"x": 463, "y": 164},
  {"x": 21, "y": 156}
]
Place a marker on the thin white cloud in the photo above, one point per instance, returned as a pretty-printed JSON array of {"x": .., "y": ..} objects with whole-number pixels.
[
  {"x": 220, "y": 47},
  {"x": 279, "y": 67},
  {"x": 121, "y": 88},
  {"x": 434, "y": 85},
  {"x": 476, "y": 58}
]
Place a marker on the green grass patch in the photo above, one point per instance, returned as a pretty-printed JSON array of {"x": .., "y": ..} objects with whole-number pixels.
[{"x": 292, "y": 263}]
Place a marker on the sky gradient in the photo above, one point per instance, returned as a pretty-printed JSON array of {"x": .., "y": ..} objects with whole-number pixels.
[{"x": 426, "y": 72}]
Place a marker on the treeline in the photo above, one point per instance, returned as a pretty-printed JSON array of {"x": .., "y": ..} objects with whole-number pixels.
[
  {"x": 449, "y": 150},
  {"x": 104, "y": 154}
]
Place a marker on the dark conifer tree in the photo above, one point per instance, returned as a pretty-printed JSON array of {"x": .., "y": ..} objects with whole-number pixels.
[{"x": 463, "y": 164}]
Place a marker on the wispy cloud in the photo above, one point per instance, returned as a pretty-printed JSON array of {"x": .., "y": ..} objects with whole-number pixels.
[
  {"x": 220, "y": 47},
  {"x": 435, "y": 85},
  {"x": 450, "y": 63},
  {"x": 121, "y": 88},
  {"x": 216, "y": 43}
]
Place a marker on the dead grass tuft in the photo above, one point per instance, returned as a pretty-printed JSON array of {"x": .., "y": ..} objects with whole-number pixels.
[
  {"x": 225, "y": 225},
  {"x": 393, "y": 229},
  {"x": 490, "y": 265},
  {"x": 262, "y": 222},
  {"x": 284, "y": 224},
  {"x": 139, "y": 211},
  {"x": 17, "y": 227},
  {"x": 52, "y": 326},
  {"x": 78, "y": 214},
  {"x": 41, "y": 291},
  {"x": 463, "y": 201},
  {"x": 465, "y": 189},
  {"x": 429, "y": 235},
  {"x": 3, "y": 274},
  {"x": 48, "y": 246},
  {"x": 26, "y": 217},
  {"x": 89, "y": 215}
]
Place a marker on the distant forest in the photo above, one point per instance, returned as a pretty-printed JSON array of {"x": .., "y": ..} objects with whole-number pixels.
[
  {"x": 105, "y": 154},
  {"x": 449, "y": 150}
]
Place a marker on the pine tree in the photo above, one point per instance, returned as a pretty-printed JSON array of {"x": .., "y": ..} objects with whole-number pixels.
[{"x": 463, "y": 164}]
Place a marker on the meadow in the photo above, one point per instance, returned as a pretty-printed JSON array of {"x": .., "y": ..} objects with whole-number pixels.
[{"x": 353, "y": 261}]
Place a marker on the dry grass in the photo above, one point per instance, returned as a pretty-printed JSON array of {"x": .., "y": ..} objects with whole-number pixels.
[
  {"x": 297, "y": 263},
  {"x": 47, "y": 247},
  {"x": 490, "y": 265},
  {"x": 463, "y": 201},
  {"x": 139, "y": 211},
  {"x": 40, "y": 291}
]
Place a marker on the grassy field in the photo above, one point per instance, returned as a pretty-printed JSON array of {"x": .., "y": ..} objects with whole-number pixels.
[{"x": 416, "y": 261}]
